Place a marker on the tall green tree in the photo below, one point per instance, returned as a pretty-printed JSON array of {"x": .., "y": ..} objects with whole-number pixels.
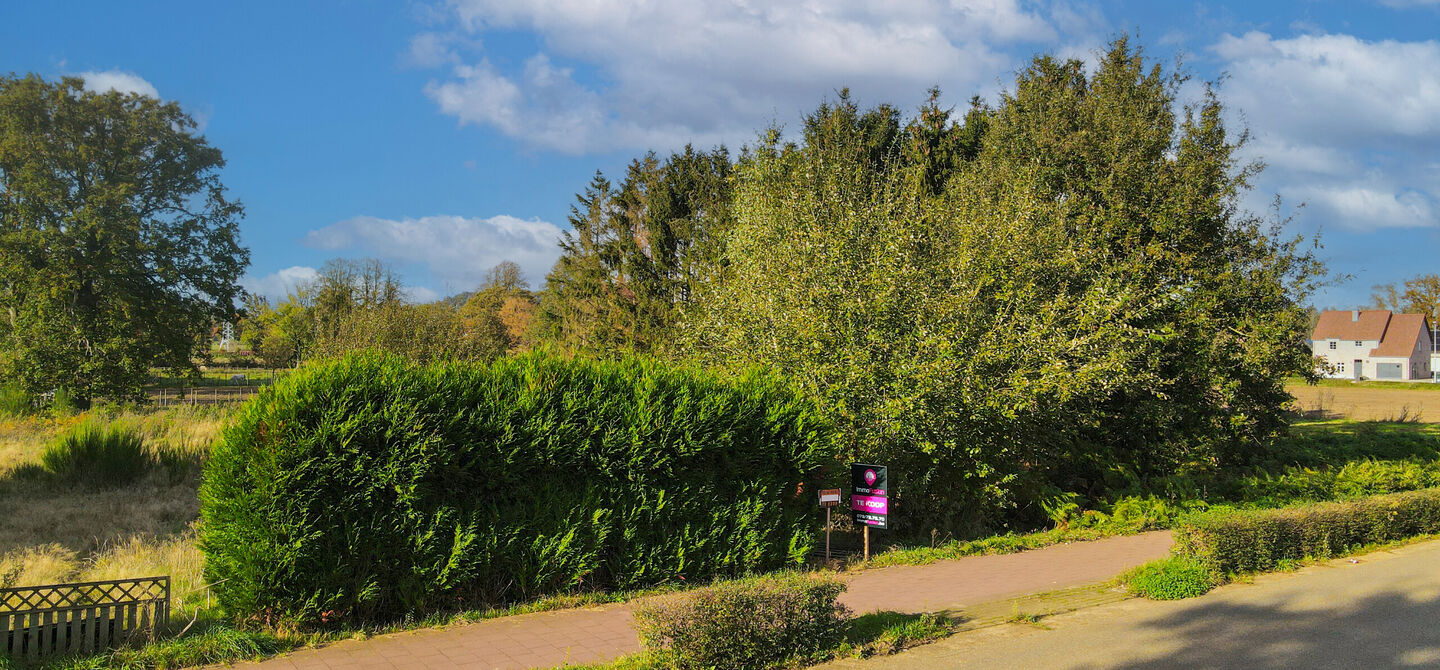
[
  {"x": 637, "y": 252},
  {"x": 118, "y": 245},
  {"x": 1050, "y": 298}
]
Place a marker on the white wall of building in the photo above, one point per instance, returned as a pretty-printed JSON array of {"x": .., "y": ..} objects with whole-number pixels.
[{"x": 1342, "y": 354}]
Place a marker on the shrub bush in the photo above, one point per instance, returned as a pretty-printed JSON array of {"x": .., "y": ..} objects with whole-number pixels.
[
  {"x": 758, "y": 623},
  {"x": 1256, "y": 540},
  {"x": 1171, "y": 578},
  {"x": 98, "y": 454},
  {"x": 14, "y": 401},
  {"x": 365, "y": 489},
  {"x": 62, "y": 404}
]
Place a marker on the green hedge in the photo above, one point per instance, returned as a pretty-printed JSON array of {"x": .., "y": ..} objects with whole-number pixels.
[
  {"x": 365, "y": 488},
  {"x": 1256, "y": 540},
  {"x": 756, "y": 623}
]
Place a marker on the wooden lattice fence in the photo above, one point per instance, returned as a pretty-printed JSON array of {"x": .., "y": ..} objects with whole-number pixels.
[{"x": 39, "y": 621}]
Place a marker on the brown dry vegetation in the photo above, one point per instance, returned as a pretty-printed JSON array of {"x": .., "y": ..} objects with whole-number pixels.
[
  {"x": 1367, "y": 402},
  {"x": 54, "y": 531}
]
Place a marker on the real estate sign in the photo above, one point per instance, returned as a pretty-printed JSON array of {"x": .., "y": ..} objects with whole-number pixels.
[{"x": 869, "y": 495}]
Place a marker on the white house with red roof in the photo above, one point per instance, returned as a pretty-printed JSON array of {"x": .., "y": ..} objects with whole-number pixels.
[{"x": 1373, "y": 344}]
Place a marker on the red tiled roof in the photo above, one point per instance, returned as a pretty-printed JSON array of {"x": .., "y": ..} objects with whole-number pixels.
[
  {"x": 1402, "y": 336},
  {"x": 1340, "y": 325}
]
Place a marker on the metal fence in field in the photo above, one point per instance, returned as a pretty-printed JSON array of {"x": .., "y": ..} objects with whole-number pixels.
[
  {"x": 203, "y": 395},
  {"x": 41, "y": 621}
]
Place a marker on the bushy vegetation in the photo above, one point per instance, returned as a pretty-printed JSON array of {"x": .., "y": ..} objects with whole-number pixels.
[
  {"x": 1229, "y": 541},
  {"x": 368, "y": 488},
  {"x": 1042, "y": 299},
  {"x": 755, "y": 623},
  {"x": 1318, "y": 461},
  {"x": 1173, "y": 578},
  {"x": 98, "y": 454},
  {"x": 14, "y": 400}
]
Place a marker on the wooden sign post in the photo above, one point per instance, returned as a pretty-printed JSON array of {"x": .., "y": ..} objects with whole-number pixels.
[
  {"x": 828, "y": 498},
  {"x": 869, "y": 498}
]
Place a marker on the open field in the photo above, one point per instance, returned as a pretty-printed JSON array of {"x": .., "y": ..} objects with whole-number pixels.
[
  {"x": 1368, "y": 401},
  {"x": 56, "y": 530}
]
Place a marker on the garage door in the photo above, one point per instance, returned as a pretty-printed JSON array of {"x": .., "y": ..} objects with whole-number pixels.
[{"x": 1389, "y": 371}]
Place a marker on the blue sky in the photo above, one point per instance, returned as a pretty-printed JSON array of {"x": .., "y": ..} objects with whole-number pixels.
[{"x": 445, "y": 137}]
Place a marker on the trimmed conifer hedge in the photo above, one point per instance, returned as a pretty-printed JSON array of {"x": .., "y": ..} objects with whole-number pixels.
[
  {"x": 365, "y": 488},
  {"x": 1257, "y": 540}
]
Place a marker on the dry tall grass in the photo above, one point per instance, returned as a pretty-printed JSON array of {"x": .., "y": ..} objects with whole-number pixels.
[{"x": 56, "y": 532}]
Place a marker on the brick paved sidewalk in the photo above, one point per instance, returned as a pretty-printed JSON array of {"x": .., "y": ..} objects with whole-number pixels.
[{"x": 594, "y": 635}]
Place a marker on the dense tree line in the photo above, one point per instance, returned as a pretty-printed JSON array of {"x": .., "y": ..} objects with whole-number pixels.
[
  {"x": 361, "y": 304},
  {"x": 1018, "y": 308}
]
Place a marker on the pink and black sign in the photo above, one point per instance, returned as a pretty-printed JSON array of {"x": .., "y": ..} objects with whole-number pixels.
[{"x": 869, "y": 495}]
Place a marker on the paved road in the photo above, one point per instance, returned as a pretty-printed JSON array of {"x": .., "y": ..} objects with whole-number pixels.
[
  {"x": 1381, "y": 612},
  {"x": 593, "y": 635}
]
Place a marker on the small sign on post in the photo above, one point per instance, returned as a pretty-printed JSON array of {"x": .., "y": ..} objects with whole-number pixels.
[
  {"x": 828, "y": 498},
  {"x": 869, "y": 498}
]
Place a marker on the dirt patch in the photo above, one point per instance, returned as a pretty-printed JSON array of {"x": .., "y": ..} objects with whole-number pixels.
[{"x": 1367, "y": 403}]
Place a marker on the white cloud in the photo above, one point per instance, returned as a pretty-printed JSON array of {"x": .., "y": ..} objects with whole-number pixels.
[
  {"x": 433, "y": 49},
  {"x": 280, "y": 283},
  {"x": 118, "y": 80},
  {"x": 1336, "y": 86},
  {"x": 619, "y": 74},
  {"x": 456, "y": 250},
  {"x": 421, "y": 294},
  {"x": 1380, "y": 206},
  {"x": 1347, "y": 125}
]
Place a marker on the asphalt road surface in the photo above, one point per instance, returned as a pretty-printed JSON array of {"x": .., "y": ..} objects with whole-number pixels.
[{"x": 1380, "y": 610}]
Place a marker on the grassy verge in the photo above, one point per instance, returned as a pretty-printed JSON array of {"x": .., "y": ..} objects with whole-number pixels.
[
  {"x": 1173, "y": 578},
  {"x": 1368, "y": 383}
]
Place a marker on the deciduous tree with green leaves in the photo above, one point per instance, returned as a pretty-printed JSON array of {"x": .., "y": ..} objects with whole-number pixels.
[
  {"x": 499, "y": 317},
  {"x": 1052, "y": 298},
  {"x": 119, "y": 248},
  {"x": 1417, "y": 295}
]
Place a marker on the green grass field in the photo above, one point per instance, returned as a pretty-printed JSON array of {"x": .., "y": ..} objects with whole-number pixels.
[{"x": 1368, "y": 383}]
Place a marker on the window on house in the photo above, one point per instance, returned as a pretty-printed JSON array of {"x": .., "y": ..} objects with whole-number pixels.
[
  {"x": 1358, "y": 343},
  {"x": 1341, "y": 368},
  {"x": 1332, "y": 344}
]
